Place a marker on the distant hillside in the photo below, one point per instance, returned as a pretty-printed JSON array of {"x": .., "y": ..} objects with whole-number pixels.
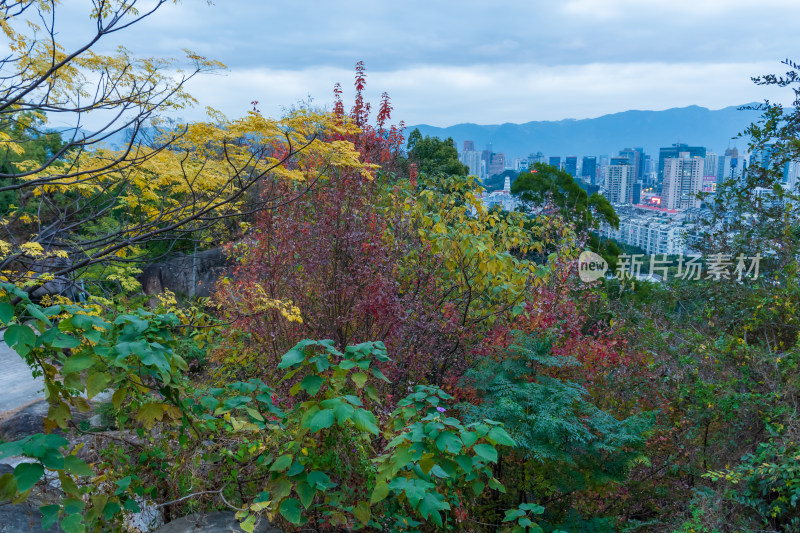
[{"x": 606, "y": 135}]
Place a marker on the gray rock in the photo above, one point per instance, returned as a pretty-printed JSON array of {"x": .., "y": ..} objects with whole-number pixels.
[
  {"x": 29, "y": 421},
  {"x": 21, "y": 518},
  {"x": 180, "y": 271},
  {"x": 96, "y": 421},
  {"x": 218, "y": 522}
]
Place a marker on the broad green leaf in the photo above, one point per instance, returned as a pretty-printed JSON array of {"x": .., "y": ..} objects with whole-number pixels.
[
  {"x": 486, "y": 451},
  {"x": 380, "y": 493},
  {"x": 49, "y": 515},
  {"x": 343, "y": 411},
  {"x": 359, "y": 379},
  {"x": 96, "y": 383},
  {"x": 323, "y": 419},
  {"x": 499, "y": 436},
  {"x": 77, "y": 362},
  {"x": 62, "y": 340},
  {"x": 281, "y": 463},
  {"x": 447, "y": 440},
  {"x": 362, "y": 512},
  {"x": 477, "y": 487},
  {"x": 6, "y": 312},
  {"x": 73, "y": 524},
  {"x": 429, "y": 508},
  {"x": 378, "y": 374},
  {"x": 249, "y": 523},
  {"x": 10, "y": 449},
  {"x": 291, "y": 358},
  {"x": 21, "y": 338},
  {"x": 27, "y": 474},
  {"x": 77, "y": 466},
  {"x": 297, "y": 468},
  {"x": 311, "y": 384},
  {"x": 365, "y": 421},
  {"x": 8, "y": 487},
  {"x": 465, "y": 462},
  {"x": 290, "y": 509},
  {"x": 318, "y": 479},
  {"x": 305, "y": 493},
  {"x": 469, "y": 438}
]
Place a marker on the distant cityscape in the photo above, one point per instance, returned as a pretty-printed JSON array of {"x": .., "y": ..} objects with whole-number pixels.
[{"x": 656, "y": 198}]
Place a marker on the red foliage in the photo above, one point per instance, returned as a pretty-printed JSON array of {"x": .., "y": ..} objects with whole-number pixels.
[{"x": 377, "y": 144}]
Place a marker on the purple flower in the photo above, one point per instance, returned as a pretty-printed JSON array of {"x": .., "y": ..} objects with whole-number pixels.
[{"x": 441, "y": 409}]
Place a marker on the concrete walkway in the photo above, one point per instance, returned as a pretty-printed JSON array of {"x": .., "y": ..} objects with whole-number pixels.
[{"x": 17, "y": 386}]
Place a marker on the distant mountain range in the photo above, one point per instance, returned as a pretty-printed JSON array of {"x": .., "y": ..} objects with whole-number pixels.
[{"x": 608, "y": 134}]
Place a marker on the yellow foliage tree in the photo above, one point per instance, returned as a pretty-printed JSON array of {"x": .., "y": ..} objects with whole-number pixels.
[{"x": 86, "y": 203}]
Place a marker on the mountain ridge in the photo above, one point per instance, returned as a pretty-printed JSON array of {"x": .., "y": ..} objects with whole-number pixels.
[{"x": 606, "y": 134}]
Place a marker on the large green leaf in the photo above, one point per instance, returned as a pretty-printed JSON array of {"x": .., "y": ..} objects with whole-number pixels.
[
  {"x": 359, "y": 379},
  {"x": 306, "y": 493},
  {"x": 447, "y": 440},
  {"x": 499, "y": 436},
  {"x": 486, "y": 451},
  {"x": 49, "y": 515},
  {"x": 21, "y": 338},
  {"x": 290, "y": 509},
  {"x": 292, "y": 357},
  {"x": 77, "y": 362},
  {"x": 323, "y": 419},
  {"x": 96, "y": 382},
  {"x": 281, "y": 463},
  {"x": 311, "y": 384},
  {"x": 27, "y": 474},
  {"x": 429, "y": 508},
  {"x": 365, "y": 421},
  {"x": 77, "y": 466},
  {"x": 73, "y": 524},
  {"x": 6, "y": 312}
]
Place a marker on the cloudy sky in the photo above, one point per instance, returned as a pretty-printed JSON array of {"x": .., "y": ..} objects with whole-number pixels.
[{"x": 446, "y": 62}]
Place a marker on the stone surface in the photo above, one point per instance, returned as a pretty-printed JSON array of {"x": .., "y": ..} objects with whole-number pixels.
[
  {"x": 177, "y": 273},
  {"x": 17, "y": 384},
  {"x": 219, "y": 522},
  {"x": 29, "y": 420},
  {"x": 23, "y": 422},
  {"x": 24, "y": 517}
]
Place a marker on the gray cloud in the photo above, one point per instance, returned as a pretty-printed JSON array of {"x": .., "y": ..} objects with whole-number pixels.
[{"x": 447, "y": 62}]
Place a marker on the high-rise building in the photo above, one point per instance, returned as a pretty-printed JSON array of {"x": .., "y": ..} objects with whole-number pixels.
[
  {"x": 469, "y": 146},
  {"x": 683, "y": 180},
  {"x": 472, "y": 159},
  {"x": 637, "y": 192},
  {"x": 626, "y": 160},
  {"x": 791, "y": 176},
  {"x": 674, "y": 151},
  {"x": 555, "y": 161},
  {"x": 711, "y": 165},
  {"x": 497, "y": 164},
  {"x": 619, "y": 183},
  {"x": 571, "y": 165},
  {"x": 589, "y": 169},
  {"x": 635, "y": 157},
  {"x": 728, "y": 165},
  {"x": 538, "y": 157}
]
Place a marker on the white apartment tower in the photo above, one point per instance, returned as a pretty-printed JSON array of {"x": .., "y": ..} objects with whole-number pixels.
[
  {"x": 683, "y": 179},
  {"x": 472, "y": 159},
  {"x": 619, "y": 183}
]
